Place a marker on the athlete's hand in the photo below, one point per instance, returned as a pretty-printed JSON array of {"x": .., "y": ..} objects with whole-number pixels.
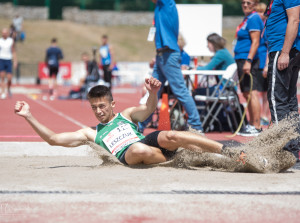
[
  {"x": 283, "y": 61},
  {"x": 152, "y": 85},
  {"x": 22, "y": 109},
  {"x": 247, "y": 67}
]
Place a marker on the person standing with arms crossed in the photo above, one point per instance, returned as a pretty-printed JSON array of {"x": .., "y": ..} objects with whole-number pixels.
[
  {"x": 7, "y": 56},
  {"x": 167, "y": 66},
  {"x": 283, "y": 34},
  {"x": 53, "y": 56},
  {"x": 107, "y": 59}
]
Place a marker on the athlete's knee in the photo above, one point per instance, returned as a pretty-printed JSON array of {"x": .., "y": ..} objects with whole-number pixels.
[
  {"x": 173, "y": 136},
  {"x": 141, "y": 150}
]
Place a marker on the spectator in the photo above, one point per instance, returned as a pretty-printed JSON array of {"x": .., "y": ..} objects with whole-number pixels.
[
  {"x": 262, "y": 84},
  {"x": 283, "y": 34},
  {"x": 185, "y": 58},
  {"x": 222, "y": 58},
  {"x": 12, "y": 32},
  {"x": 107, "y": 59},
  {"x": 90, "y": 78},
  {"x": 248, "y": 39},
  {"x": 167, "y": 66},
  {"x": 7, "y": 56},
  {"x": 53, "y": 56},
  {"x": 18, "y": 24}
]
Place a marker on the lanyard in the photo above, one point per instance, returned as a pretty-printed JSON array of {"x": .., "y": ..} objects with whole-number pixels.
[
  {"x": 269, "y": 9},
  {"x": 267, "y": 14},
  {"x": 242, "y": 24}
]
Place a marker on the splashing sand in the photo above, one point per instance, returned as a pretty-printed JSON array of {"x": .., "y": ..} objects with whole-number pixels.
[{"x": 265, "y": 153}]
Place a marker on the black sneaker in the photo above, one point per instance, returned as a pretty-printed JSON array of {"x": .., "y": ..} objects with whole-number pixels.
[{"x": 249, "y": 130}]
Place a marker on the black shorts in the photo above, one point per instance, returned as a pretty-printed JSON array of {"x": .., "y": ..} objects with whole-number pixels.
[
  {"x": 53, "y": 71},
  {"x": 150, "y": 140},
  {"x": 262, "y": 83},
  {"x": 245, "y": 82}
]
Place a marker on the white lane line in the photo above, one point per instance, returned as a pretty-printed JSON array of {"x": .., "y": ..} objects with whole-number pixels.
[{"x": 59, "y": 113}]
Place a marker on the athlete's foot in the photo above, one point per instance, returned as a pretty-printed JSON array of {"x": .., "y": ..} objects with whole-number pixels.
[
  {"x": 254, "y": 162},
  {"x": 250, "y": 161},
  {"x": 242, "y": 157}
]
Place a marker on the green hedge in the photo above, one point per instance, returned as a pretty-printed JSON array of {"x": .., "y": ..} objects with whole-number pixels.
[{"x": 230, "y": 7}]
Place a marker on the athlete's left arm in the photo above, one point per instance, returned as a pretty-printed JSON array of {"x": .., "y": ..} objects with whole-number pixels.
[
  {"x": 142, "y": 112},
  {"x": 290, "y": 36}
]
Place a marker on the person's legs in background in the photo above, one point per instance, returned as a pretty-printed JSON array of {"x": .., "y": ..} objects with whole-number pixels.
[
  {"x": 282, "y": 96},
  {"x": 254, "y": 106},
  {"x": 52, "y": 82},
  {"x": 107, "y": 75},
  {"x": 262, "y": 87},
  {"x": 157, "y": 73},
  {"x": 9, "y": 77},
  {"x": 169, "y": 64},
  {"x": 3, "y": 93}
]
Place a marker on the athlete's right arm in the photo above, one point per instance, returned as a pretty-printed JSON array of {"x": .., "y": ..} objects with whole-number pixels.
[{"x": 67, "y": 139}]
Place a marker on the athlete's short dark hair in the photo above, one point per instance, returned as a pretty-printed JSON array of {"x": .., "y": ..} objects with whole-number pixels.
[{"x": 100, "y": 91}]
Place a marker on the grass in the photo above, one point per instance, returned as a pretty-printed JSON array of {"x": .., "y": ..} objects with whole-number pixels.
[{"x": 130, "y": 42}]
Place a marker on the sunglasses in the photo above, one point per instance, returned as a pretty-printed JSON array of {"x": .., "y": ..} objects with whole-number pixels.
[{"x": 247, "y": 3}]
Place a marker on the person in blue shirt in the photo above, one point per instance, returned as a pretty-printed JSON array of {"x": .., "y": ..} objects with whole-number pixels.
[
  {"x": 222, "y": 58},
  {"x": 53, "y": 56},
  {"x": 185, "y": 58},
  {"x": 167, "y": 66},
  {"x": 262, "y": 84},
  {"x": 283, "y": 34},
  {"x": 107, "y": 61},
  {"x": 247, "y": 43}
]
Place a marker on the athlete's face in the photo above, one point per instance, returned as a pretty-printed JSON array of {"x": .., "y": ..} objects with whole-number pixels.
[
  {"x": 248, "y": 6},
  {"x": 102, "y": 108}
]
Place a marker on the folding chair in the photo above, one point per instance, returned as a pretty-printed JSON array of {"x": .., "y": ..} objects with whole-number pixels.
[{"x": 225, "y": 98}]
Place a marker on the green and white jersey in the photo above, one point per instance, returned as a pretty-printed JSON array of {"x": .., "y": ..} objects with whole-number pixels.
[{"x": 117, "y": 135}]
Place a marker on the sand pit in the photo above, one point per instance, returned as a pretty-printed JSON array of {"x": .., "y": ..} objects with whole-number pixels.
[
  {"x": 47, "y": 186},
  {"x": 81, "y": 189},
  {"x": 265, "y": 154}
]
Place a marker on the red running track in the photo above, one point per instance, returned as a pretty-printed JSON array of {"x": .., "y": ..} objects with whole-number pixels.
[{"x": 66, "y": 115}]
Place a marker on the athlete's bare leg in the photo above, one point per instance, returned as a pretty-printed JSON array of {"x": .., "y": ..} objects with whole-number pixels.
[
  {"x": 171, "y": 140},
  {"x": 139, "y": 153}
]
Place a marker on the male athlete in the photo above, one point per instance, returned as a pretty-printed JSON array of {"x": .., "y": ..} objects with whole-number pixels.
[
  {"x": 118, "y": 132},
  {"x": 8, "y": 59}
]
